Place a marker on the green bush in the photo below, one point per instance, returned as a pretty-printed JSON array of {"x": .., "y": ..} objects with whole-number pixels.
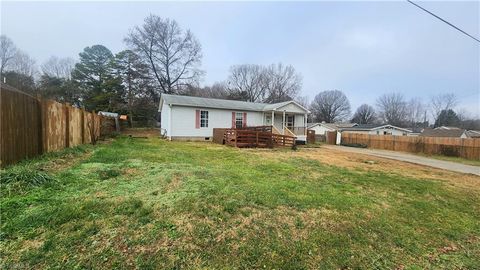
[{"x": 358, "y": 145}]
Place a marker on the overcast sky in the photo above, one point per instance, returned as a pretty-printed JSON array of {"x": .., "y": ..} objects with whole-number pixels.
[{"x": 362, "y": 48}]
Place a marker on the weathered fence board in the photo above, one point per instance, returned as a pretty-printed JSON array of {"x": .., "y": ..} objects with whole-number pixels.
[
  {"x": 20, "y": 125},
  {"x": 331, "y": 137},
  {"x": 465, "y": 148},
  {"x": 31, "y": 126}
]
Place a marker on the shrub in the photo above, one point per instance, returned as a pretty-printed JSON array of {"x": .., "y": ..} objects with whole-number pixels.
[
  {"x": 449, "y": 150},
  {"x": 359, "y": 145},
  {"x": 22, "y": 178}
]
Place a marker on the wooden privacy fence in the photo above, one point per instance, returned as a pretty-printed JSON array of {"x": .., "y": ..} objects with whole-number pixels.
[
  {"x": 331, "y": 137},
  {"x": 31, "y": 126},
  {"x": 465, "y": 148}
]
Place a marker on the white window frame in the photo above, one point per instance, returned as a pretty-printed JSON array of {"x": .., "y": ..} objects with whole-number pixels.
[
  {"x": 237, "y": 119},
  {"x": 203, "y": 119}
]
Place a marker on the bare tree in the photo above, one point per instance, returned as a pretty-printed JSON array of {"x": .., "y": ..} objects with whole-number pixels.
[
  {"x": 303, "y": 100},
  {"x": 365, "y": 114},
  {"x": 416, "y": 112},
  {"x": 22, "y": 63},
  {"x": 248, "y": 82},
  {"x": 283, "y": 83},
  {"x": 330, "y": 106},
  {"x": 174, "y": 55},
  {"x": 392, "y": 109},
  {"x": 58, "y": 67},
  {"x": 217, "y": 90},
  {"x": 8, "y": 50},
  {"x": 442, "y": 102}
]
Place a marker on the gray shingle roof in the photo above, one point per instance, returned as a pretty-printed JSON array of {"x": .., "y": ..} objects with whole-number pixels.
[
  {"x": 219, "y": 103},
  {"x": 365, "y": 127},
  {"x": 334, "y": 125},
  {"x": 473, "y": 133},
  {"x": 452, "y": 133}
]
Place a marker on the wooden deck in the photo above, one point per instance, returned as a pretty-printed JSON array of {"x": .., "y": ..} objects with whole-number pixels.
[{"x": 259, "y": 136}]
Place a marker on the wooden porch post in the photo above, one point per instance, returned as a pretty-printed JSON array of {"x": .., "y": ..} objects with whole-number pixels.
[
  {"x": 273, "y": 118},
  {"x": 305, "y": 119},
  {"x": 283, "y": 124}
]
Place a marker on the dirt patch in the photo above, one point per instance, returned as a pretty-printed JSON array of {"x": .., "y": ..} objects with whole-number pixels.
[
  {"x": 142, "y": 132},
  {"x": 174, "y": 184},
  {"x": 368, "y": 163},
  {"x": 66, "y": 161}
]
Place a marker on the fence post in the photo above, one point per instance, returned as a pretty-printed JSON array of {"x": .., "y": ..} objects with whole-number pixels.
[
  {"x": 82, "y": 123},
  {"x": 41, "y": 124},
  {"x": 67, "y": 124},
  {"x": 235, "y": 136},
  {"x": 256, "y": 145},
  {"x": 93, "y": 133}
]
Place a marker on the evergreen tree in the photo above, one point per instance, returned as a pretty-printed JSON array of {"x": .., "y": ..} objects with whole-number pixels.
[
  {"x": 137, "y": 83},
  {"x": 95, "y": 76},
  {"x": 59, "y": 89},
  {"x": 447, "y": 118},
  {"x": 23, "y": 82}
]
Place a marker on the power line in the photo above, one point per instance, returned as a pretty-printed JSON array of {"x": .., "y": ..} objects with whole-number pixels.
[{"x": 443, "y": 20}]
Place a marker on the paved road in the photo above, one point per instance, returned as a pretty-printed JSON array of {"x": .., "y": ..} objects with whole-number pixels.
[{"x": 441, "y": 164}]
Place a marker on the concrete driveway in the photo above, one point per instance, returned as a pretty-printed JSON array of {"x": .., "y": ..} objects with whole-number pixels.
[{"x": 440, "y": 164}]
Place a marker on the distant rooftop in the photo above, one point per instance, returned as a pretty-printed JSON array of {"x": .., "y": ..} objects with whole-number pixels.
[
  {"x": 451, "y": 133},
  {"x": 367, "y": 127},
  {"x": 333, "y": 125}
]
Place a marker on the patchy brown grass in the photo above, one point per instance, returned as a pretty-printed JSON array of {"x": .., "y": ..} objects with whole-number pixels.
[
  {"x": 361, "y": 162},
  {"x": 66, "y": 161}
]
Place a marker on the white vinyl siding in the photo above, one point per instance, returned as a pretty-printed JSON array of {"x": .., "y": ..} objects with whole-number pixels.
[
  {"x": 165, "y": 119},
  {"x": 183, "y": 121}
]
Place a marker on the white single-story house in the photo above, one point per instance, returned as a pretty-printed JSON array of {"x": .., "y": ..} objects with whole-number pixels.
[
  {"x": 377, "y": 129},
  {"x": 194, "y": 118},
  {"x": 322, "y": 128}
]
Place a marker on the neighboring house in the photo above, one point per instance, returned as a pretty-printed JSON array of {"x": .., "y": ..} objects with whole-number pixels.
[
  {"x": 445, "y": 132},
  {"x": 416, "y": 131},
  {"x": 473, "y": 133},
  {"x": 322, "y": 128},
  {"x": 447, "y": 127},
  {"x": 377, "y": 129},
  {"x": 194, "y": 118}
]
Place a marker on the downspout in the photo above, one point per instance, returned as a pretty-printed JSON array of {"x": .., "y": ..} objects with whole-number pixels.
[{"x": 169, "y": 131}]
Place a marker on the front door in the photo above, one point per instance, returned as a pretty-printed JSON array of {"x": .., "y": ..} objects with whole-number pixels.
[{"x": 290, "y": 121}]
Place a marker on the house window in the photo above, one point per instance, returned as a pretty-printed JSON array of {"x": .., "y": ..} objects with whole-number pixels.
[
  {"x": 203, "y": 119},
  {"x": 378, "y": 132},
  {"x": 239, "y": 120}
]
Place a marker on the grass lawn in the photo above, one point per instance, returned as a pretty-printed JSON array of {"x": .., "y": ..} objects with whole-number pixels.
[{"x": 149, "y": 204}]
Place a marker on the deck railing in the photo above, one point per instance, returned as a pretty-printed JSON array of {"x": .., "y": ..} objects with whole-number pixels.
[{"x": 251, "y": 137}]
